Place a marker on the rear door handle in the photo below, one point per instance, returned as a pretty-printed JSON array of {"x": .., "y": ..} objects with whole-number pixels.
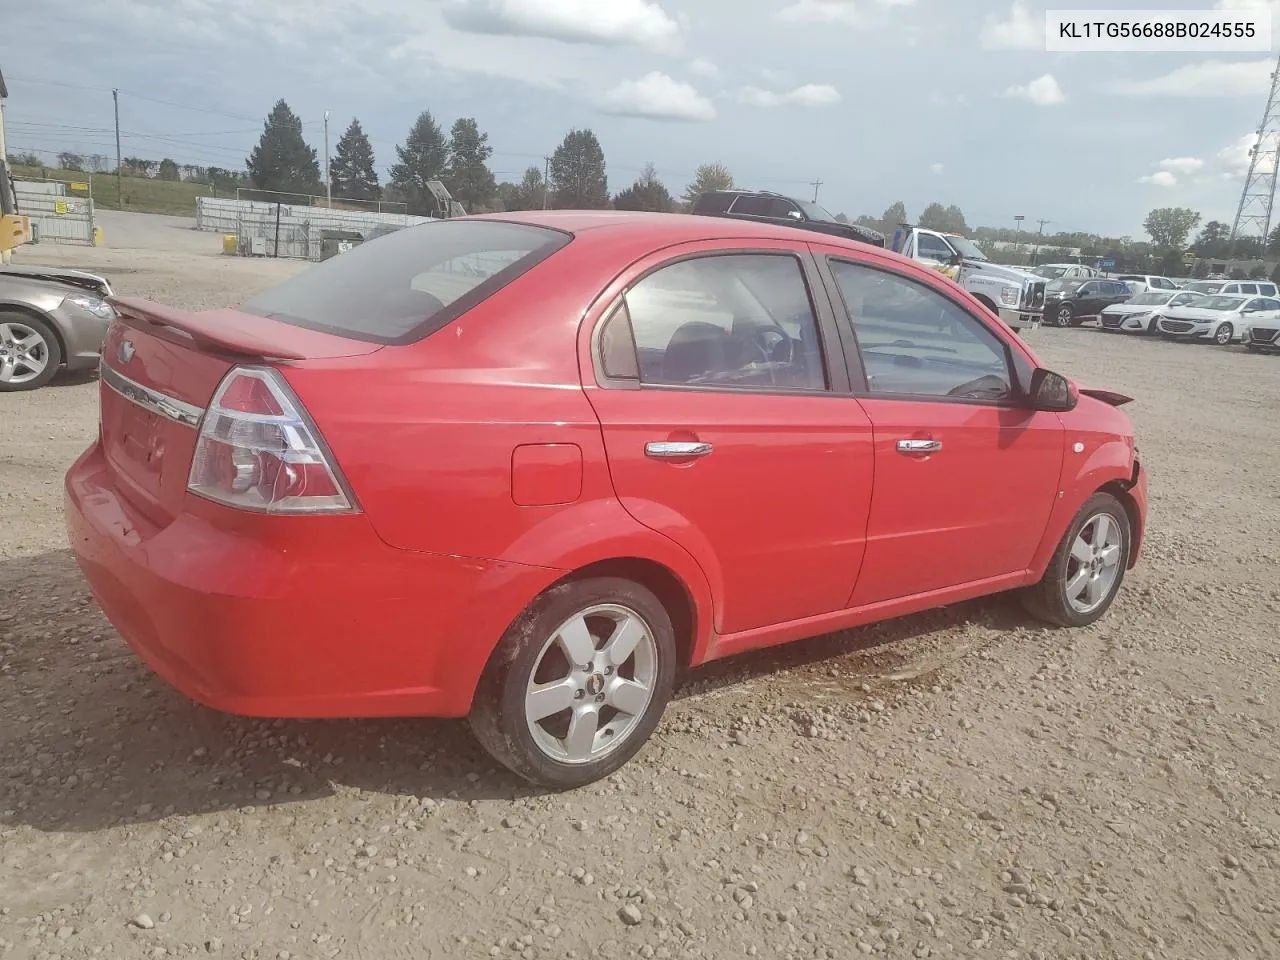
[
  {"x": 675, "y": 450},
  {"x": 919, "y": 446}
]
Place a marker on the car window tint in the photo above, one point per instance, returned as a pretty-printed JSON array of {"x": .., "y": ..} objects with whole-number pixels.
[
  {"x": 751, "y": 206},
  {"x": 408, "y": 284},
  {"x": 916, "y": 342},
  {"x": 781, "y": 208},
  {"x": 740, "y": 320},
  {"x": 933, "y": 247}
]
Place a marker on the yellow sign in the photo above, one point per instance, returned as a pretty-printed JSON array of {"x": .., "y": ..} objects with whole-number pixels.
[
  {"x": 60, "y": 207},
  {"x": 78, "y": 186}
]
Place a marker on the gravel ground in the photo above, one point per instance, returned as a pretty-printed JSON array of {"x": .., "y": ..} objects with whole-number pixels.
[{"x": 958, "y": 783}]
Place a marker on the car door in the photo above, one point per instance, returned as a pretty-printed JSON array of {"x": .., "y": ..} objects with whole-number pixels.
[
  {"x": 965, "y": 476},
  {"x": 1088, "y": 299},
  {"x": 727, "y": 431},
  {"x": 933, "y": 249},
  {"x": 1113, "y": 292}
]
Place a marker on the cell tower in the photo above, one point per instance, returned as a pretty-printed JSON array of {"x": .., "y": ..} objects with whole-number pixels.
[{"x": 1253, "y": 216}]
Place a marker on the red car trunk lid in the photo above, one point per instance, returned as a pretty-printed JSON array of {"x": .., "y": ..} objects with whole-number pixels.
[{"x": 160, "y": 368}]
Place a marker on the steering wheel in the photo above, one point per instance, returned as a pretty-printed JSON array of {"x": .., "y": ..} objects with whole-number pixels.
[{"x": 767, "y": 339}]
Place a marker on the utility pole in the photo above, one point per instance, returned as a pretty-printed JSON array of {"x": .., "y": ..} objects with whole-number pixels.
[
  {"x": 115, "y": 97},
  {"x": 815, "y": 184},
  {"x": 1036, "y": 253},
  {"x": 546, "y": 180},
  {"x": 328, "y": 186}
]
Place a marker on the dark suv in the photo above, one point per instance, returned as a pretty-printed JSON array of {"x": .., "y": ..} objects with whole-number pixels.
[{"x": 775, "y": 208}]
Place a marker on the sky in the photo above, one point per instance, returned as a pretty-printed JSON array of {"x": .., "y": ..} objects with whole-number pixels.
[{"x": 881, "y": 100}]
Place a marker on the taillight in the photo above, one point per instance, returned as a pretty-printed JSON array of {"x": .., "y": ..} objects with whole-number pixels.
[{"x": 257, "y": 450}]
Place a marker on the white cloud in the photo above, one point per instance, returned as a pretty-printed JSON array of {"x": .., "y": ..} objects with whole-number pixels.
[
  {"x": 1209, "y": 78},
  {"x": 936, "y": 168},
  {"x": 1021, "y": 31},
  {"x": 1233, "y": 160},
  {"x": 1161, "y": 178},
  {"x": 656, "y": 96},
  {"x": 616, "y": 22},
  {"x": 1042, "y": 91},
  {"x": 809, "y": 95},
  {"x": 1181, "y": 164},
  {"x": 703, "y": 67}
]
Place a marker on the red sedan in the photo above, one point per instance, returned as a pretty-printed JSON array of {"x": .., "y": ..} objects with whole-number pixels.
[{"x": 522, "y": 468}]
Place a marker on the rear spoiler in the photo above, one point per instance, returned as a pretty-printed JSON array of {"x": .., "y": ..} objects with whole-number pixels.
[{"x": 225, "y": 331}]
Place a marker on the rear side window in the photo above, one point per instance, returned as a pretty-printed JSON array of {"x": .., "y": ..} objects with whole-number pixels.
[
  {"x": 406, "y": 285},
  {"x": 752, "y": 207},
  {"x": 712, "y": 203}
]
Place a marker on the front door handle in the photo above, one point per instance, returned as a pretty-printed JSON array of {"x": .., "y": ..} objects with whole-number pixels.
[
  {"x": 919, "y": 446},
  {"x": 675, "y": 450}
]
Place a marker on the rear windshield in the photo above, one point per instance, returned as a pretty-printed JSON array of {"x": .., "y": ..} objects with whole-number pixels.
[{"x": 406, "y": 285}]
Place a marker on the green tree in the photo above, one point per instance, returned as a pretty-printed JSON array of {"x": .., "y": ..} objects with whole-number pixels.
[
  {"x": 1273, "y": 241},
  {"x": 282, "y": 162},
  {"x": 1212, "y": 239},
  {"x": 70, "y": 161},
  {"x": 352, "y": 173},
  {"x": 944, "y": 219},
  {"x": 168, "y": 170},
  {"x": 647, "y": 193},
  {"x": 423, "y": 158},
  {"x": 1258, "y": 273},
  {"x": 578, "y": 180},
  {"x": 469, "y": 178},
  {"x": 532, "y": 192},
  {"x": 893, "y": 215},
  {"x": 1170, "y": 226},
  {"x": 708, "y": 178}
]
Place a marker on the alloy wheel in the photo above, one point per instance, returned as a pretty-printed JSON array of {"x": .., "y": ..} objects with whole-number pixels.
[
  {"x": 24, "y": 354},
  {"x": 592, "y": 683},
  {"x": 1094, "y": 563},
  {"x": 1063, "y": 316},
  {"x": 1223, "y": 334}
]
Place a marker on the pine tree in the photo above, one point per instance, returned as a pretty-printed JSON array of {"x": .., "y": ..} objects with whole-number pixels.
[
  {"x": 351, "y": 172},
  {"x": 647, "y": 193},
  {"x": 578, "y": 179},
  {"x": 424, "y": 157},
  {"x": 282, "y": 162},
  {"x": 469, "y": 179}
]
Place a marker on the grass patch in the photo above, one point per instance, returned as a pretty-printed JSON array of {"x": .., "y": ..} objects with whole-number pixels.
[{"x": 137, "y": 194}]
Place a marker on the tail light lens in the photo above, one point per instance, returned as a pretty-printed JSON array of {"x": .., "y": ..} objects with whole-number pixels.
[{"x": 258, "y": 450}]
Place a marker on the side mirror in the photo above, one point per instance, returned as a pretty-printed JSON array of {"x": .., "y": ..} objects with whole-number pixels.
[
  {"x": 1051, "y": 392},
  {"x": 794, "y": 214}
]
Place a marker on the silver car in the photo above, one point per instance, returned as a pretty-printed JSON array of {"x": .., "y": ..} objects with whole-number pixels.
[
  {"x": 51, "y": 319},
  {"x": 1140, "y": 314}
]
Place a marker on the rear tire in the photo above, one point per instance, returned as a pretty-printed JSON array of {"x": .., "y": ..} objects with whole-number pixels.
[
  {"x": 557, "y": 723},
  {"x": 1083, "y": 576},
  {"x": 30, "y": 354}
]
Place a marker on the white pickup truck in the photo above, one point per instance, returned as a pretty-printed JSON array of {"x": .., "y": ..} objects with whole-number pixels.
[{"x": 1016, "y": 296}]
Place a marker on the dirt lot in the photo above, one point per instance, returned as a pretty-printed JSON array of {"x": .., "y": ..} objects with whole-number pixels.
[{"x": 960, "y": 783}]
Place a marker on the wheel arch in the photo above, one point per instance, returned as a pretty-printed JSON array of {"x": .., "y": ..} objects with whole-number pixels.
[
  {"x": 1122, "y": 490},
  {"x": 672, "y": 592},
  {"x": 987, "y": 302},
  {"x": 10, "y": 306}
]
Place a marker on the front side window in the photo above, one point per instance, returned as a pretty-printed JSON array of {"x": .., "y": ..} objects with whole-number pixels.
[
  {"x": 933, "y": 248},
  {"x": 751, "y": 206},
  {"x": 915, "y": 342},
  {"x": 731, "y": 320}
]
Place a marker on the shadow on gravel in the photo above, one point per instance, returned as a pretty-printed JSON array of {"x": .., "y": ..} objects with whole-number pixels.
[{"x": 89, "y": 738}]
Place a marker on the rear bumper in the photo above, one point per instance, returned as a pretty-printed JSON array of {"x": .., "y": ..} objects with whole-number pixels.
[{"x": 291, "y": 616}]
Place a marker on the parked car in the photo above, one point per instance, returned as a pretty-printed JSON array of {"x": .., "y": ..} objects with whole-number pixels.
[
  {"x": 1069, "y": 303},
  {"x": 51, "y": 319},
  {"x": 1221, "y": 318},
  {"x": 1140, "y": 313},
  {"x": 1264, "y": 337},
  {"x": 637, "y": 443},
  {"x": 1064, "y": 271},
  {"x": 1261, "y": 288},
  {"x": 1148, "y": 281},
  {"x": 763, "y": 206}
]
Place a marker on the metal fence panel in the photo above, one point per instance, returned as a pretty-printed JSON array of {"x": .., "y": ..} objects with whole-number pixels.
[
  {"x": 57, "y": 214},
  {"x": 300, "y": 228}
]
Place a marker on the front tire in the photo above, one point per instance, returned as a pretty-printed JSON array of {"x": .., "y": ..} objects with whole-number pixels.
[
  {"x": 578, "y": 682},
  {"x": 1087, "y": 568},
  {"x": 1062, "y": 317},
  {"x": 29, "y": 352},
  {"x": 1222, "y": 336}
]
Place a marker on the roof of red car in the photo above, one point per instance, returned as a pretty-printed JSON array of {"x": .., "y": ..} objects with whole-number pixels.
[{"x": 659, "y": 226}]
